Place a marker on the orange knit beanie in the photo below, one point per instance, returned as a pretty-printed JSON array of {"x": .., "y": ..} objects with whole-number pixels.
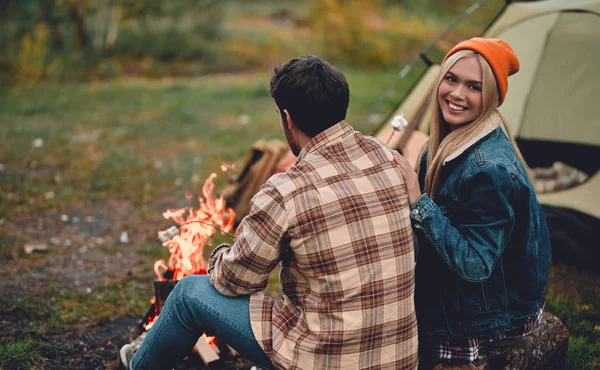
[{"x": 499, "y": 55}]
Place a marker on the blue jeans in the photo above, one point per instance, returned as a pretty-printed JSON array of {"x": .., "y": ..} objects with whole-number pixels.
[{"x": 193, "y": 307}]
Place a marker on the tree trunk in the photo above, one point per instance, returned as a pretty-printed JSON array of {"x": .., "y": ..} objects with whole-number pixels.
[
  {"x": 47, "y": 8},
  {"x": 100, "y": 28},
  {"x": 77, "y": 15},
  {"x": 115, "y": 18}
]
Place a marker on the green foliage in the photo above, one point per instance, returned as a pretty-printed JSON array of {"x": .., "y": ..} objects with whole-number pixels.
[
  {"x": 24, "y": 353},
  {"x": 356, "y": 32},
  {"x": 68, "y": 40},
  {"x": 71, "y": 40},
  {"x": 166, "y": 42}
]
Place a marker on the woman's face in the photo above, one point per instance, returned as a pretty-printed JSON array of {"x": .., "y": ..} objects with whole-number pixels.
[{"x": 460, "y": 94}]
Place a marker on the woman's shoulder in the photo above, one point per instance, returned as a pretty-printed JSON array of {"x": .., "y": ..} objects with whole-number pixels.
[
  {"x": 496, "y": 150},
  {"x": 495, "y": 159}
]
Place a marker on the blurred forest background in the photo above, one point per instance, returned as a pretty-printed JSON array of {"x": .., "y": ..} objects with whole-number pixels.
[
  {"x": 112, "y": 110},
  {"x": 91, "y": 40}
]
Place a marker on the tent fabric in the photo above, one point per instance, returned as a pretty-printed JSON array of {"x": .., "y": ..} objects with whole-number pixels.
[
  {"x": 518, "y": 11},
  {"x": 529, "y": 50},
  {"x": 564, "y": 83}
]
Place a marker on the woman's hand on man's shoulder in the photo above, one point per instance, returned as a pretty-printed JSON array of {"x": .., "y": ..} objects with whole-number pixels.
[{"x": 411, "y": 179}]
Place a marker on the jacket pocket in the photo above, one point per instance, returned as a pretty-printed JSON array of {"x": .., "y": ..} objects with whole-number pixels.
[{"x": 473, "y": 298}]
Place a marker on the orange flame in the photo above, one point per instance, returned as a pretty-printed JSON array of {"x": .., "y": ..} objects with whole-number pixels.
[{"x": 196, "y": 226}]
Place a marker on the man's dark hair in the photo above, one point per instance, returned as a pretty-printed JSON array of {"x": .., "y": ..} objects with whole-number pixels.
[{"x": 315, "y": 93}]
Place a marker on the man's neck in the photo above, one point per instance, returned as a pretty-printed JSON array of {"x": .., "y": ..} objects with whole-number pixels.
[{"x": 302, "y": 139}]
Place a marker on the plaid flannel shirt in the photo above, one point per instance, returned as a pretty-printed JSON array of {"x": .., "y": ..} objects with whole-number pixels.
[
  {"x": 467, "y": 350},
  {"x": 338, "y": 221}
]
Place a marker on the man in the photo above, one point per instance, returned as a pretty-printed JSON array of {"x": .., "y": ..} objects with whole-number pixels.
[{"x": 337, "y": 221}]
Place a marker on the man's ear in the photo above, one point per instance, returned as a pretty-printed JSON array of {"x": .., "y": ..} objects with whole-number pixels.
[{"x": 288, "y": 119}]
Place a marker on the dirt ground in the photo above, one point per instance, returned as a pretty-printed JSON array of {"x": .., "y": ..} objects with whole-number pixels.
[{"x": 86, "y": 255}]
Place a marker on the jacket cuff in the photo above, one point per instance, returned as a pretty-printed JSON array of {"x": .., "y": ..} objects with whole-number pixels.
[
  {"x": 219, "y": 248},
  {"x": 419, "y": 209}
]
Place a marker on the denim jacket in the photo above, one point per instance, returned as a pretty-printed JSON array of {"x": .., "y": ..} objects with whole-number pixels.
[{"x": 484, "y": 251}]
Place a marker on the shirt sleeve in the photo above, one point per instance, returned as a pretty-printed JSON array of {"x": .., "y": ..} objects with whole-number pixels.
[
  {"x": 244, "y": 267},
  {"x": 473, "y": 244}
]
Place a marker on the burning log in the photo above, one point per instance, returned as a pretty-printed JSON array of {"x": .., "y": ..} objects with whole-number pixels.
[{"x": 205, "y": 348}]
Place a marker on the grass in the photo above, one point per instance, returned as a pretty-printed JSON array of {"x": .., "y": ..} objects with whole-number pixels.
[
  {"x": 122, "y": 137},
  {"x": 583, "y": 354},
  {"x": 22, "y": 354},
  {"x": 581, "y": 315},
  {"x": 57, "y": 308}
]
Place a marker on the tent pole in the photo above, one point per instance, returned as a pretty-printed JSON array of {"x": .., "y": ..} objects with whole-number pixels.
[{"x": 506, "y": 4}]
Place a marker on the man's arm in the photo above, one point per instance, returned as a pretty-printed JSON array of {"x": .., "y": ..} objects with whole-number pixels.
[{"x": 244, "y": 267}]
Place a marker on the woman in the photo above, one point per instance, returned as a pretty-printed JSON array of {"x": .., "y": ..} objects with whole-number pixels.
[{"x": 484, "y": 247}]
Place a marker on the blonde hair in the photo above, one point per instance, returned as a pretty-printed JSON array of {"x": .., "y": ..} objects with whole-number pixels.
[{"x": 442, "y": 141}]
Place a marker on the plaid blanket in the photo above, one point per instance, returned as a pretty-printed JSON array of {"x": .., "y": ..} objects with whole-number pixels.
[{"x": 559, "y": 176}]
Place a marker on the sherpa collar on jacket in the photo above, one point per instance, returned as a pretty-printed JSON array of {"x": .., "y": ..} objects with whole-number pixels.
[{"x": 490, "y": 124}]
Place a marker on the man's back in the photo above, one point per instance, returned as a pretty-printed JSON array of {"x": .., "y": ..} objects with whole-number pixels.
[
  {"x": 338, "y": 222},
  {"x": 348, "y": 261}
]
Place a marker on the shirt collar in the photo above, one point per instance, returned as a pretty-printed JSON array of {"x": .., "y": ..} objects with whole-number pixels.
[
  {"x": 489, "y": 125},
  {"x": 329, "y": 135}
]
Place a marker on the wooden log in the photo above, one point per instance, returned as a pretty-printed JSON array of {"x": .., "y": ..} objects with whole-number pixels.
[
  {"x": 205, "y": 350},
  {"x": 545, "y": 348}
]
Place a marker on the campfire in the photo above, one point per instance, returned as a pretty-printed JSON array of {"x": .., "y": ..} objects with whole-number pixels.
[{"x": 186, "y": 241}]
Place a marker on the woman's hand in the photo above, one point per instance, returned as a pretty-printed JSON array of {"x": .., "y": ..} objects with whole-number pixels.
[{"x": 411, "y": 179}]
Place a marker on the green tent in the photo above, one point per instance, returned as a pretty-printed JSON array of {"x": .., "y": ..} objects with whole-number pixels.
[{"x": 552, "y": 102}]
